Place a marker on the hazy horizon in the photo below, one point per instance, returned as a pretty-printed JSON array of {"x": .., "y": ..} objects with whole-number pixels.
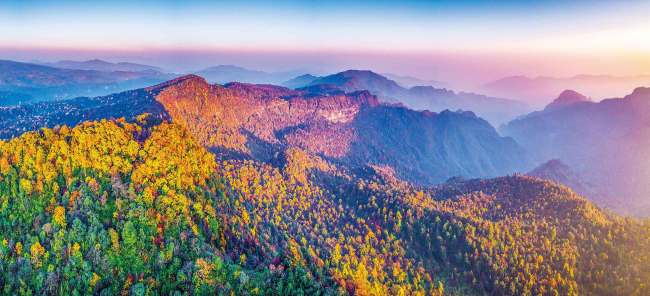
[{"x": 464, "y": 43}]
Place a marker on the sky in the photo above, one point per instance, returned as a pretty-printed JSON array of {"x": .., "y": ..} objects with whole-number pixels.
[{"x": 467, "y": 41}]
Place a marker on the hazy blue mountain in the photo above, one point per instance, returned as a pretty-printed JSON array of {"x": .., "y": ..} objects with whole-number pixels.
[
  {"x": 557, "y": 171},
  {"x": 539, "y": 91},
  {"x": 229, "y": 73},
  {"x": 410, "y": 81},
  {"x": 300, "y": 81},
  {"x": 104, "y": 66},
  {"x": 604, "y": 142},
  {"x": 495, "y": 110},
  {"x": 32, "y": 82},
  {"x": 567, "y": 98}
]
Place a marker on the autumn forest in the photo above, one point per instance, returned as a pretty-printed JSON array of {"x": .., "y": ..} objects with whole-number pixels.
[
  {"x": 326, "y": 148},
  {"x": 115, "y": 207}
]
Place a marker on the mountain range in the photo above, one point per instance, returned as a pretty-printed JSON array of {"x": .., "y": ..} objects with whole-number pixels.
[
  {"x": 245, "y": 189},
  {"x": 258, "y": 121},
  {"x": 336, "y": 118},
  {"x": 410, "y": 81},
  {"x": 25, "y": 82},
  {"x": 538, "y": 91},
  {"x": 229, "y": 73},
  {"x": 495, "y": 110},
  {"x": 601, "y": 141},
  {"x": 104, "y": 66}
]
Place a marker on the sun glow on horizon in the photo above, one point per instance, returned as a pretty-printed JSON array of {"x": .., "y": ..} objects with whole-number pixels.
[{"x": 427, "y": 39}]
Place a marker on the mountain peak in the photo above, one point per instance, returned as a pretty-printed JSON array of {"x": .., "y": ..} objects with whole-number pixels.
[
  {"x": 300, "y": 81},
  {"x": 353, "y": 80},
  {"x": 97, "y": 61},
  {"x": 566, "y": 98},
  {"x": 557, "y": 171},
  {"x": 355, "y": 71},
  {"x": 640, "y": 92},
  {"x": 362, "y": 74},
  {"x": 227, "y": 67},
  {"x": 189, "y": 78}
]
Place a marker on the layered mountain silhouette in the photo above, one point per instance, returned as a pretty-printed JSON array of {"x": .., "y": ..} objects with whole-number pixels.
[
  {"x": 24, "y": 82},
  {"x": 495, "y": 110},
  {"x": 258, "y": 121},
  {"x": 537, "y": 91},
  {"x": 410, "y": 81},
  {"x": 300, "y": 81},
  {"x": 567, "y": 98},
  {"x": 557, "y": 171},
  {"x": 104, "y": 66},
  {"x": 352, "y": 80},
  {"x": 603, "y": 142},
  {"x": 230, "y": 73}
]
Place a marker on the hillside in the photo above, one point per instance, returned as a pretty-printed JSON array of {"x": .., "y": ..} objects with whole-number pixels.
[
  {"x": 495, "y": 110},
  {"x": 258, "y": 121},
  {"x": 602, "y": 142},
  {"x": 138, "y": 208}
]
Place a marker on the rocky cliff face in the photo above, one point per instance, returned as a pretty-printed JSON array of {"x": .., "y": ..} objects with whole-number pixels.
[{"x": 350, "y": 128}]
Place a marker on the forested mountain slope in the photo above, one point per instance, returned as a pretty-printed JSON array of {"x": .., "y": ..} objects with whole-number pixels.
[{"x": 115, "y": 207}]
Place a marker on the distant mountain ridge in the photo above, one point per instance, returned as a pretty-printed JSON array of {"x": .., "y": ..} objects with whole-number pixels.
[
  {"x": 300, "y": 81},
  {"x": 557, "y": 171},
  {"x": 410, "y": 81},
  {"x": 603, "y": 142},
  {"x": 25, "y": 82},
  {"x": 567, "y": 98},
  {"x": 495, "y": 110},
  {"x": 537, "y": 91},
  {"x": 104, "y": 66},
  {"x": 352, "y": 80},
  {"x": 230, "y": 73}
]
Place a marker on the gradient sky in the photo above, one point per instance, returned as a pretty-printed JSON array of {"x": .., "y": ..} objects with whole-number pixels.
[{"x": 443, "y": 40}]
